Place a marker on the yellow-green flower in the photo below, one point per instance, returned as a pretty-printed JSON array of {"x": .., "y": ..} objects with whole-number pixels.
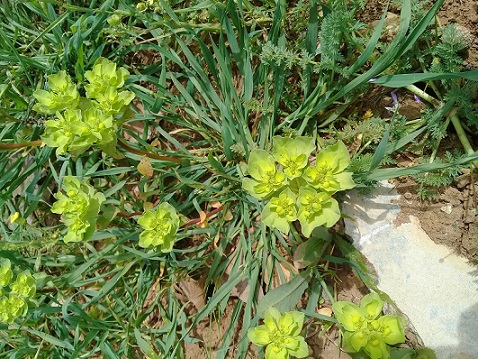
[
  {"x": 293, "y": 153},
  {"x": 79, "y": 207},
  {"x": 365, "y": 330},
  {"x": 316, "y": 209},
  {"x": 328, "y": 173},
  {"x": 6, "y": 273},
  {"x": 62, "y": 95},
  {"x": 280, "y": 334},
  {"x": 160, "y": 228},
  {"x": 266, "y": 178},
  {"x": 280, "y": 211}
]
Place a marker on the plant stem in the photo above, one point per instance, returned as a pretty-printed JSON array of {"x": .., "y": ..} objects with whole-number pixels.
[
  {"x": 422, "y": 94},
  {"x": 155, "y": 156},
  {"x": 14, "y": 146},
  {"x": 461, "y": 134}
]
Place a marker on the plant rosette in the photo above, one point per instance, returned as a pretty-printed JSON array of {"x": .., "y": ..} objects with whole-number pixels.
[
  {"x": 365, "y": 330},
  {"x": 295, "y": 190},
  {"x": 280, "y": 334},
  {"x": 160, "y": 227},
  {"x": 79, "y": 207}
]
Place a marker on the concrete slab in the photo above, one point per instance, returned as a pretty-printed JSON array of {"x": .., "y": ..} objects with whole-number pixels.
[{"x": 436, "y": 289}]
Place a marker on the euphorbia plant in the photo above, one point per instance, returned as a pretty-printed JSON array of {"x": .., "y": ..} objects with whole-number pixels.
[
  {"x": 14, "y": 294},
  {"x": 365, "y": 330},
  {"x": 280, "y": 334},
  {"x": 295, "y": 188},
  {"x": 81, "y": 122}
]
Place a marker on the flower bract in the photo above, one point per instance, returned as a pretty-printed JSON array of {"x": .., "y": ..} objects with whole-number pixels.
[
  {"x": 6, "y": 273},
  {"x": 293, "y": 153},
  {"x": 63, "y": 94},
  {"x": 365, "y": 330},
  {"x": 266, "y": 178},
  {"x": 160, "y": 228},
  {"x": 79, "y": 207},
  {"x": 280, "y": 211},
  {"x": 328, "y": 173},
  {"x": 316, "y": 209},
  {"x": 104, "y": 76},
  {"x": 280, "y": 334}
]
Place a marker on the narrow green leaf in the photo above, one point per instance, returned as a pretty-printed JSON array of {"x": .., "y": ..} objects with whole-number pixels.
[
  {"x": 145, "y": 347},
  {"x": 286, "y": 296},
  {"x": 403, "y": 80}
]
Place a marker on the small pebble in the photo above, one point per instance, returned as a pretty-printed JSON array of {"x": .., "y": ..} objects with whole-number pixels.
[{"x": 447, "y": 208}]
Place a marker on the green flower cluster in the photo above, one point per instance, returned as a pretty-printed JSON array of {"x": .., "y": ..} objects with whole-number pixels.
[
  {"x": 365, "y": 330},
  {"x": 280, "y": 334},
  {"x": 160, "y": 228},
  {"x": 14, "y": 294},
  {"x": 79, "y": 207},
  {"x": 297, "y": 190},
  {"x": 81, "y": 122}
]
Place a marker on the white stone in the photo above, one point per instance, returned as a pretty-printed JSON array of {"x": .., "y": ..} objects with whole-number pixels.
[{"x": 437, "y": 290}]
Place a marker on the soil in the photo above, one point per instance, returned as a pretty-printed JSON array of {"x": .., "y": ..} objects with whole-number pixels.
[{"x": 451, "y": 221}]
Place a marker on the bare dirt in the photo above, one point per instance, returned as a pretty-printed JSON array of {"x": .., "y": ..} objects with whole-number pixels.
[{"x": 452, "y": 220}]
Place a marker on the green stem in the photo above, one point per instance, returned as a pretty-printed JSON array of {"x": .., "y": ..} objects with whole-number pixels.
[
  {"x": 461, "y": 134},
  {"x": 422, "y": 94}
]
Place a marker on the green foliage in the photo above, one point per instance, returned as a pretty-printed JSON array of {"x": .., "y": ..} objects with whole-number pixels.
[
  {"x": 79, "y": 207},
  {"x": 214, "y": 83},
  {"x": 295, "y": 189},
  {"x": 365, "y": 329},
  {"x": 446, "y": 54},
  {"x": 160, "y": 227},
  {"x": 281, "y": 334},
  {"x": 431, "y": 183}
]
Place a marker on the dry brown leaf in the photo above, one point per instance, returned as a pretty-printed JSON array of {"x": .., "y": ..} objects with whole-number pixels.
[
  {"x": 145, "y": 168},
  {"x": 148, "y": 206},
  {"x": 215, "y": 204},
  {"x": 203, "y": 217},
  {"x": 325, "y": 311},
  {"x": 193, "y": 292}
]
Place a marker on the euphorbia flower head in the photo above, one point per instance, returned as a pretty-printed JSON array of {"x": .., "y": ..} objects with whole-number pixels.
[
  {"x": 316, "y": 209},
  {"x": 280, "y": 211},
  {"x": 292, "y": 153},
  {"x": 328, "y": 173},
  {"x": 365, "y": 330},
  {"x": 63, "y": 94},
  {"x": 266, "y": 178},
  {"x": 160, "y": 227},
  {"x": 280, "y": 334},
  {"x": 79, "y": 207}
]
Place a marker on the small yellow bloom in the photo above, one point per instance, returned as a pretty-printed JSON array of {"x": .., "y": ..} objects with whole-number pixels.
[{"x": 14, "y": 217}]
